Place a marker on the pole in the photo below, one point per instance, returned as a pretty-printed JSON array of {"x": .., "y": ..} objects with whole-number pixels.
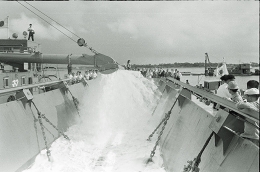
[{"x": 7, "y": 27}]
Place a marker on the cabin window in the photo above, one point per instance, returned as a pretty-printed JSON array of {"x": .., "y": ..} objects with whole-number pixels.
[
  {"x": 30, "y": 81},
  {"x": 23, "y": 80},
  {"x": 6, "y": 82}
]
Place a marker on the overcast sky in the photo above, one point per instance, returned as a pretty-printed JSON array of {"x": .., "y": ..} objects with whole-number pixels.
[{"x": 144, "y": 32}]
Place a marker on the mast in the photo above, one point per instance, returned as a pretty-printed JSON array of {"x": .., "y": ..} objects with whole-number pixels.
[{"x": 206, "y": 68}]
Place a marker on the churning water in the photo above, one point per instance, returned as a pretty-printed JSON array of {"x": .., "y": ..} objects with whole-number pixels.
[{"x": 116, "y": 119}]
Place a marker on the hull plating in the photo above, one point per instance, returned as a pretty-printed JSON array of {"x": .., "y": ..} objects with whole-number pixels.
[
  {"x": 21, "y": 137},
  {"x": 186, "y": 132}
]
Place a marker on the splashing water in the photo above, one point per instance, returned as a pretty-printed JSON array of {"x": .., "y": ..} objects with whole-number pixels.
[{"x": 116, "y": 115}]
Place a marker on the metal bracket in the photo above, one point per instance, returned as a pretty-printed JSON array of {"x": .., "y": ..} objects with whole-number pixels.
[
  {"x": 221, "y": 121},
  {"x": 184, "y": 94},
  {"x": 24, "y": 94}
]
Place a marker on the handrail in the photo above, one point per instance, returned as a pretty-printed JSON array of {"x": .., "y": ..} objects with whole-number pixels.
[
  {"x": 51, "y": 83},
  {"x": 254, "y": 116},
  {"x": 16, "y": 48}
]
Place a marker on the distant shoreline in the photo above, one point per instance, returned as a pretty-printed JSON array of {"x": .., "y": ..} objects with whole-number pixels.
[{"x": 186, "y": 65}]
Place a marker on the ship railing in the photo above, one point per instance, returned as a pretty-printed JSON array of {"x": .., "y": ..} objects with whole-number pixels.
[
  {"x": 252, "y": 115},
  {"x": 38, "y": 85},
  {"x": 16, "y": 49},
  {"x": 228, "y": 122}
]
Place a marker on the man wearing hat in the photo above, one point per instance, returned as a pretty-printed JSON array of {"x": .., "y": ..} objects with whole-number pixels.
[
  {"x": 233, "y": 90},
  {"x": 223, "y": 90},
  {"x": 252, "y": 96}
]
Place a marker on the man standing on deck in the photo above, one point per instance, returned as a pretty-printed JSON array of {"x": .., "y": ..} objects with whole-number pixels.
[
  {"x": 31, "y": 32},
  {"x": 128, "y": 65}
]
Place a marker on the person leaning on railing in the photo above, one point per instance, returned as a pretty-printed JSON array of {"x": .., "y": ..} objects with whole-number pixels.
[
  {"x": 252, "y": 97},
  {"x": 233, "y": 89}
]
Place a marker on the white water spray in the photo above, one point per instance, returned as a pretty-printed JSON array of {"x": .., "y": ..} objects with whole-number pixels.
[{"x": 116, "y": 121}]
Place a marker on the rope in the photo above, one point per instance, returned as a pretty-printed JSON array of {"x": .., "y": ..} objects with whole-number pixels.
[
  {"x": 52, "y": 19},
  {"x": 47, "y": 22},
  {"x": 85, "y": 45}
]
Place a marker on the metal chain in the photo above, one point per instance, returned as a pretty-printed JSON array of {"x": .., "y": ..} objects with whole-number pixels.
[
  {"x": 76, "y": 103},
  {"x": 35, "y": 120},
  {"x": 49, "y": 131},
  {"x": 48, "y": 152},
  {"x": 193, "y": 166},
  {"x": 47, "y": 120},
  {"x": 40, "y": 116},
  {"x": 75, "y": 100},
  {"x": 159, "y": 137},
  {"x": 167, "y": 116},
  {"x": 151, "y": 135}
]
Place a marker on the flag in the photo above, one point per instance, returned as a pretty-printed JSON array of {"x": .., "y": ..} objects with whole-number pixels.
[
  {"x": 4, "y": 23},
  {"x": 222, "y": 70}
]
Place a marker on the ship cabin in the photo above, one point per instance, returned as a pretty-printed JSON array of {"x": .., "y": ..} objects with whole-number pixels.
[
  {"x": 241, "y": 69},
  {"x": 212, "y": 85},
  {"x": 18, "y": 46},
  {"x": 17, "y": 74}
]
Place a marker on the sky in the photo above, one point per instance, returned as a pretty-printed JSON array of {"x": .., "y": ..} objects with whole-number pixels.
[{"x": 151, "y": 32}]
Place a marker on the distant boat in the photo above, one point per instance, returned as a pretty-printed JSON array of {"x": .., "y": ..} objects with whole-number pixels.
[{"x": 242, "y": 69}]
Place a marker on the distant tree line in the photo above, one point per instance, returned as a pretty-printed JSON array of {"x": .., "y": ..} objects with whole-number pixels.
[{"x": 186, "y": 64}]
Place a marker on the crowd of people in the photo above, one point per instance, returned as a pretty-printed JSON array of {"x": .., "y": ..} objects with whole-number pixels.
[
  {"x": 249, "y": 99},
  {"x": 159, "y": 73},
  {"x": 77, "y": 77},
  {"x": 155, "y": 72}
]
